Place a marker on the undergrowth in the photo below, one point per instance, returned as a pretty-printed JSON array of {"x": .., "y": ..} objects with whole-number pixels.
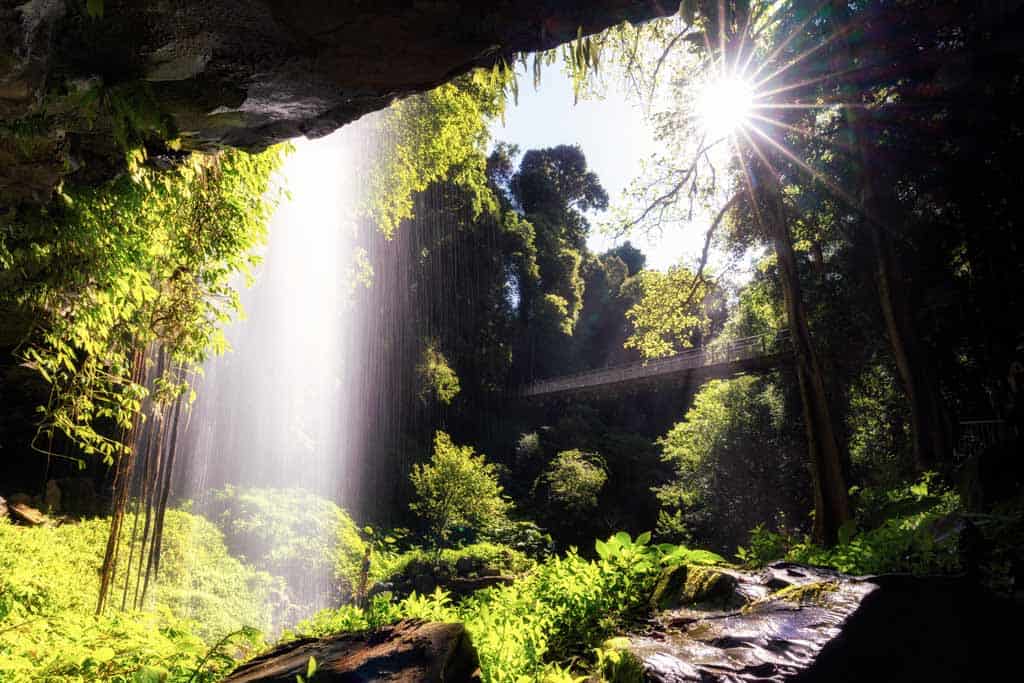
[
  {"x": 48, "y": 588},
  {"x": 536, "y": 627},
  {"x": 917, "y": 534}
]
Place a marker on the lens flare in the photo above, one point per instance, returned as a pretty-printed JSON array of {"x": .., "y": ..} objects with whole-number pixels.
[{"x": 725, "y": 105}]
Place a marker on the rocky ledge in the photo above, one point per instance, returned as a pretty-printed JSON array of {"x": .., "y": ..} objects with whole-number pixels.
[
  {"x": 213, "y": 73},
  {"x": 407, "y": 652},
  {"x": 796, "y": 623}
]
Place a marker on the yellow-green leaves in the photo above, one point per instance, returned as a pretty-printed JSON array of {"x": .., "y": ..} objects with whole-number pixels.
[
  {"x": 456, "y": 488},
  {"x": 440, "y": 135},
  {"x": 436, "y": 377},
  {"x": 145, "y": 259},
  {"x": 670, "y": 312}
]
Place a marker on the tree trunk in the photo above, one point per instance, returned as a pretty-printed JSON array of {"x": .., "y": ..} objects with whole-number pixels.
[
  {"x": 931, "y": 438},
  {"x": 930, "y": 426},
  {"x": 831, "y": 503}
]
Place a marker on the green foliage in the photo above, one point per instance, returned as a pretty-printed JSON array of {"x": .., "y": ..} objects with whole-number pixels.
[
  {"x": 440, "y": 135},
  {"x": 200, "y": 580},
  {"x": 560, "y": 610},
  {"x": 48, "y": 588},
  {"x": 498, "y": 556},
  {"x": 520, "y": 535},
  {"x": 437, "y": 379},
  {"x": 731, "y": 456},
  {"x": 918, "y": 534},
  {"x": 670, "y": 314},
  {"x": 290, "y": 533},
  {"x": 573, "y": 481},
  {"x": 551, "y": 312},
  {"x": 144, "y": 259},
  {"x": 528, "y": 448},
  {"x": 94, "y": 8},
  {"x": 764, "y": 546},
  {"x": 878, "y": 421},
  {"x": 457, "y": 488}
]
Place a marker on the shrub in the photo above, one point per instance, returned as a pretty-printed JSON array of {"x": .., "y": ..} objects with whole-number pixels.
[
  {"x": 573, "y": 481},
  {"x": 521, "y": 535},
  {"x": 734, "y": 459},
  {"x": 456, "y": 489},
  {"x": 293, "y": 534},
  {"x": 486, "y": 554},
  {"x": 436, "y": 377}
]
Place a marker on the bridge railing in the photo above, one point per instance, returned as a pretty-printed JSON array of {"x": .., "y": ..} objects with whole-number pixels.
[
  {"x": 714, "y": 354},
  {"x": 974, "y": 436}
]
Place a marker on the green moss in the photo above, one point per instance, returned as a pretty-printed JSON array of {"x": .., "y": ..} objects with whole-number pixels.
[
  {"x": 669, "y": 585},
  {"x": 689, "y": 585},
  {"x": 814, "y": 593},
  {"x": 704, "y": 583},
  {"x": 808, "y": 593}
]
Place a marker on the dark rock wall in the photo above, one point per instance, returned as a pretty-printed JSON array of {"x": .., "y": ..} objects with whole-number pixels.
[{"x": 243, "y": 74}]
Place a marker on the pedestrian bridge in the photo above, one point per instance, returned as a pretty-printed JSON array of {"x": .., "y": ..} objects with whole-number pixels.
[{"x": 751, "y": 354}]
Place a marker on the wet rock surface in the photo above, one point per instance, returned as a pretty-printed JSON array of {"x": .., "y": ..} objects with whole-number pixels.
[
  {"x": 407, "y": 652},
  {"x": 797, "y": 623}
]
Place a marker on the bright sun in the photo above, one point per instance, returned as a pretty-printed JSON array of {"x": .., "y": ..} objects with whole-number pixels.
[{"x": 724, "y": 105}]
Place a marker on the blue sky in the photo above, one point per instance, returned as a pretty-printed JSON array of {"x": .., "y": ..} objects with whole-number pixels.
[{"x": 615, "y": 139}]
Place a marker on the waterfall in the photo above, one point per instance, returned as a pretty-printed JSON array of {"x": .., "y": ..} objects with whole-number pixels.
[{"x": 274, "y": 412}]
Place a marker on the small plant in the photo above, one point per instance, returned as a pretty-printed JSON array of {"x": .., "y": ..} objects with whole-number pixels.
[
  {"x": 437, "y": 379},
  {"x": 765, "y": 546},
  {"x": 310, "y": 671}
]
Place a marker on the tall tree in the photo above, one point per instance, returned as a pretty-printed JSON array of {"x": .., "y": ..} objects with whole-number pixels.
[{"x": 881, "y": 215}]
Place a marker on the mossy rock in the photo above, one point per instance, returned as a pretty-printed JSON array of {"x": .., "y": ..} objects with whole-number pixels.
[
  {"x": 814, "y": 593},
  {"x": 691, "y": 585}
]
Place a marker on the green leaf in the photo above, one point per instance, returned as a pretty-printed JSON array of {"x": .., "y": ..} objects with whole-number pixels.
[
  {"x": 103, "y": 654},
  {"x": 94, "y": 8},
  {"x": 311, "y": 667},
  {"x": 150, "y": 674}
]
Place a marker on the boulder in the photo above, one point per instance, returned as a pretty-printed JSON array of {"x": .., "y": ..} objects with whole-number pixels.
[
  {"x": 797, "y": 623},
  {"x": 16, "y": 498},
  {"x": 465, "y": 566},
  {"x": 424, "y": 584},
  {"x": 407, "y": 652},
  {"x": 52, "y": 497},
  {"x": 26, "y": 514},
  {"x": 693, "y": 585},
  {"x": 380, "y": 588},
  {"x": 78, "y": 497},
  {"x": 462, "y": 587}
]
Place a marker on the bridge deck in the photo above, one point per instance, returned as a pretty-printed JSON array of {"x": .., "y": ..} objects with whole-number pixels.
[{"x": 758, "y": 353}]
